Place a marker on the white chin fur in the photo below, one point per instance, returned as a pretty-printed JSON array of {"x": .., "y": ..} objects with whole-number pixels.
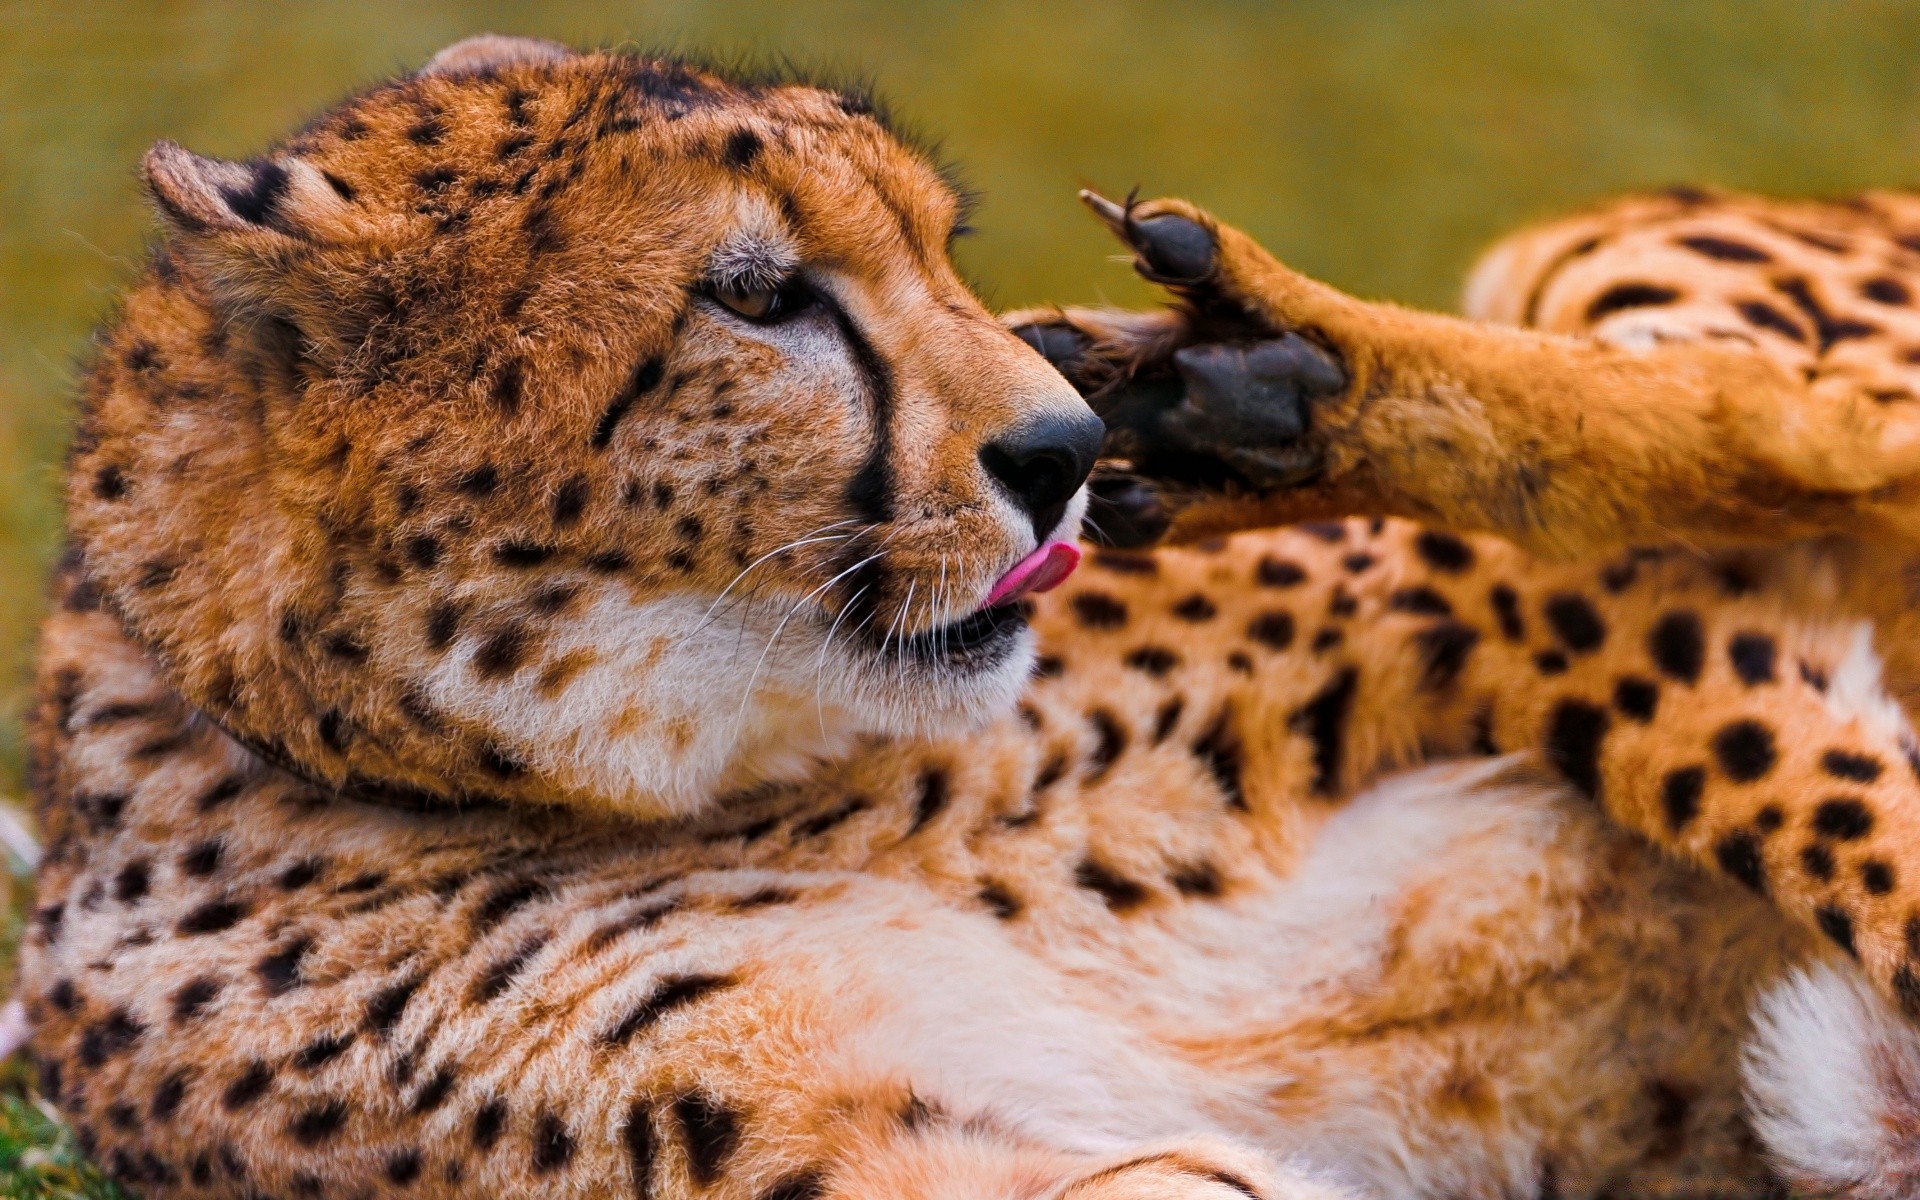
[
  {"x": 684, "y": 702},
  {"x": 1833, "y": 1085}
]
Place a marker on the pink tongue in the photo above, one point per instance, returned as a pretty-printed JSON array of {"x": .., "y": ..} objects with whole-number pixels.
[{"x": 1042, "y": 571}]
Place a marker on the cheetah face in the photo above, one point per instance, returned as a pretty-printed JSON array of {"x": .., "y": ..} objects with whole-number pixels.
[{"x": 607, "y": 433}]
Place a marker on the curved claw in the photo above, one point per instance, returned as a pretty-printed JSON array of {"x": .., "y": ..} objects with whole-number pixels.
[{"x": 1171, "y": 249}]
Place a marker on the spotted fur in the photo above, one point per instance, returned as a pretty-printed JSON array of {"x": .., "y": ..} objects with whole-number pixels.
[{"x": 416, "y": 443}]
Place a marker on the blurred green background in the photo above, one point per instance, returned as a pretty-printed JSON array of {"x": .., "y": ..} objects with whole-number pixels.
[{"x": 1376, "y": 143}]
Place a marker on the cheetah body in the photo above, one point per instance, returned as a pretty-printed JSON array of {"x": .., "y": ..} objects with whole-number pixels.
[{"x": 340, "y": 900}]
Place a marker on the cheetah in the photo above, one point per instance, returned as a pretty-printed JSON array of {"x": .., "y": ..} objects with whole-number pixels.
[{"x": 570, "y": 679}]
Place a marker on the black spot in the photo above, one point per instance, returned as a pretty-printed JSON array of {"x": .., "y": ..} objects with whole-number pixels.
[
  {"x": 1444, "y": 647},
  {"x": 672, "y": 992},
  {"x": 1197, "y": 879},
  {"x": 319, "y": 1123},
  {"x": 110, "y": 483},
  {"x": 443, "y": 621},
  {"x": 1906, "y": 989},
  {"x": 403, "y": 1167},
  {"x": 1574, "y": 734},
  {"x": 569, "y": 501},
  {"x": 608, "y": 562},
  {"x": 502, "y": 652},
  {"x": 481, "y": 481},
  {"x": 1443, "y": 551},
  {"x": 167, "y": 1097},
  {"x": 1576, "y": 622},
  {"x": 131, "y": 884},
  {"x": 1845, "y": 819},
  {"x": 1506, "y": 608},
  {"x": 1323, "y": 719},
  {"x": 279, "y": 972},
  {"x": 1752, "y": 657},
  {"x": 1219, "y": 749},
  {"x": 640, "y": 1141},
  {"x": 1110, "y": 742},
  {"x": 504, "y": 901},
  {"x": 322, "y": 1050},
  {"x": 1680, "y": 796},
  {"x": 300, "y": 874},
  {"x": 1274, "y": 630},
  {"x": 552, "y": 1145},
  {"x": 1817, "y": 861},
  {"x": 63, "y": 996},
  {"x": 1636, "y": 698},
  {"x": 1118, "y": 892},
  {"x": 1156, "y": 661},
  {"x": 257, "y": 202},
  {"x": 1679, "y": 646},
  {"x": 386, "y": 1006},
  {"x": 112, "y": 1034},
  {"x": 1167, "y": 716},
  {"x": 1278, "y": 572},
  {"x": 931, "y": 800},
  {"x": 1097, "y": 610},
  {"x": 507, "y": 388},
  {"x": 645, "y": 377},
  {"x": 521, "y": 554},
  {"x": 711, "y": 1131},
  {"x": 250, "y": 1086},
  {"x": 1744, "y": 750},
  {"x": 1358, "y": 562},
  {"x": 1765, "y": 316},
  {"x": 428, "y": 131},
  {"x": 1195, "y": 608},
  {"x": 333, "y": 730},
  {"x": 488, "y": 1122},
  {"x": 1630, "y": 295},
  {"x": 193, "y": 998},
  {"x": 1837, "y": 924},
  {"x": 1844, "y": 764},
  {"x": 742, "y": 146},
  {"x": 1331, "y": 532},
  {"x": 1739, "y": 856},
  {"x": 1423, "y": 601},
  {"x": 1617, "y": 577},
  {"x": 434, "y": 1092},
  {"x": 1724, "y": 249},
  {"x": 806, "y": 1185},
  {"x": 214, "y": 916},
  {"x": 501, "y": 973},
  {"x": 1886, "y": 290},
  {"x": 1829, "y": 328},
  {"x": 1002, "y": 902},
  {"x": 1550, "y": 662},
  {"x": 1876, "y": 877}
]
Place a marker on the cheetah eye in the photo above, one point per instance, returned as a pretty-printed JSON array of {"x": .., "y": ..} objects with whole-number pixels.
[{"x": 765, "y": 305}]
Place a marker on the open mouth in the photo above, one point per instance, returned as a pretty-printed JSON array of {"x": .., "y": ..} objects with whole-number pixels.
[
  {"x": 981, "y": 638},
  {"x": 986, "y": 635}
]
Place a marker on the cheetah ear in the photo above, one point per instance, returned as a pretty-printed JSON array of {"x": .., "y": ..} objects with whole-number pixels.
[
  {"x": 277, "y": 197},
  {"x": 490, "y": 52}
]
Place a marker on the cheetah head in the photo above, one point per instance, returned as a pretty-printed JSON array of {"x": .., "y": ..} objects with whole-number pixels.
[{"x": 572, "y": 428}]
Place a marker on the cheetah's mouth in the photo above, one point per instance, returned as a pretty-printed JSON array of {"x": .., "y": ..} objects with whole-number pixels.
[
  {"x": 985, "y": 636},
  {"x": 981, "y": 639}
]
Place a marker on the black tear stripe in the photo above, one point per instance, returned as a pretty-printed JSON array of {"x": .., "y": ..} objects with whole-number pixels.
[{"x": 870, "y": 491}]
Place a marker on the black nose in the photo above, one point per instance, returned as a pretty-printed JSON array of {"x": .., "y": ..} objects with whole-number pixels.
[{"x": 1043, "y": 462}]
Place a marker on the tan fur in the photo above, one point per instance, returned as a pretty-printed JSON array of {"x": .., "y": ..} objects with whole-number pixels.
[{"x": 1185, "y": 922}]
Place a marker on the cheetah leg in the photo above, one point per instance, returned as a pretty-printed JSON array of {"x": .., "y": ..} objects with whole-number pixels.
[
  {"x": 1298, "y": 400},
  {"x": 1733, "y": 733}
]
